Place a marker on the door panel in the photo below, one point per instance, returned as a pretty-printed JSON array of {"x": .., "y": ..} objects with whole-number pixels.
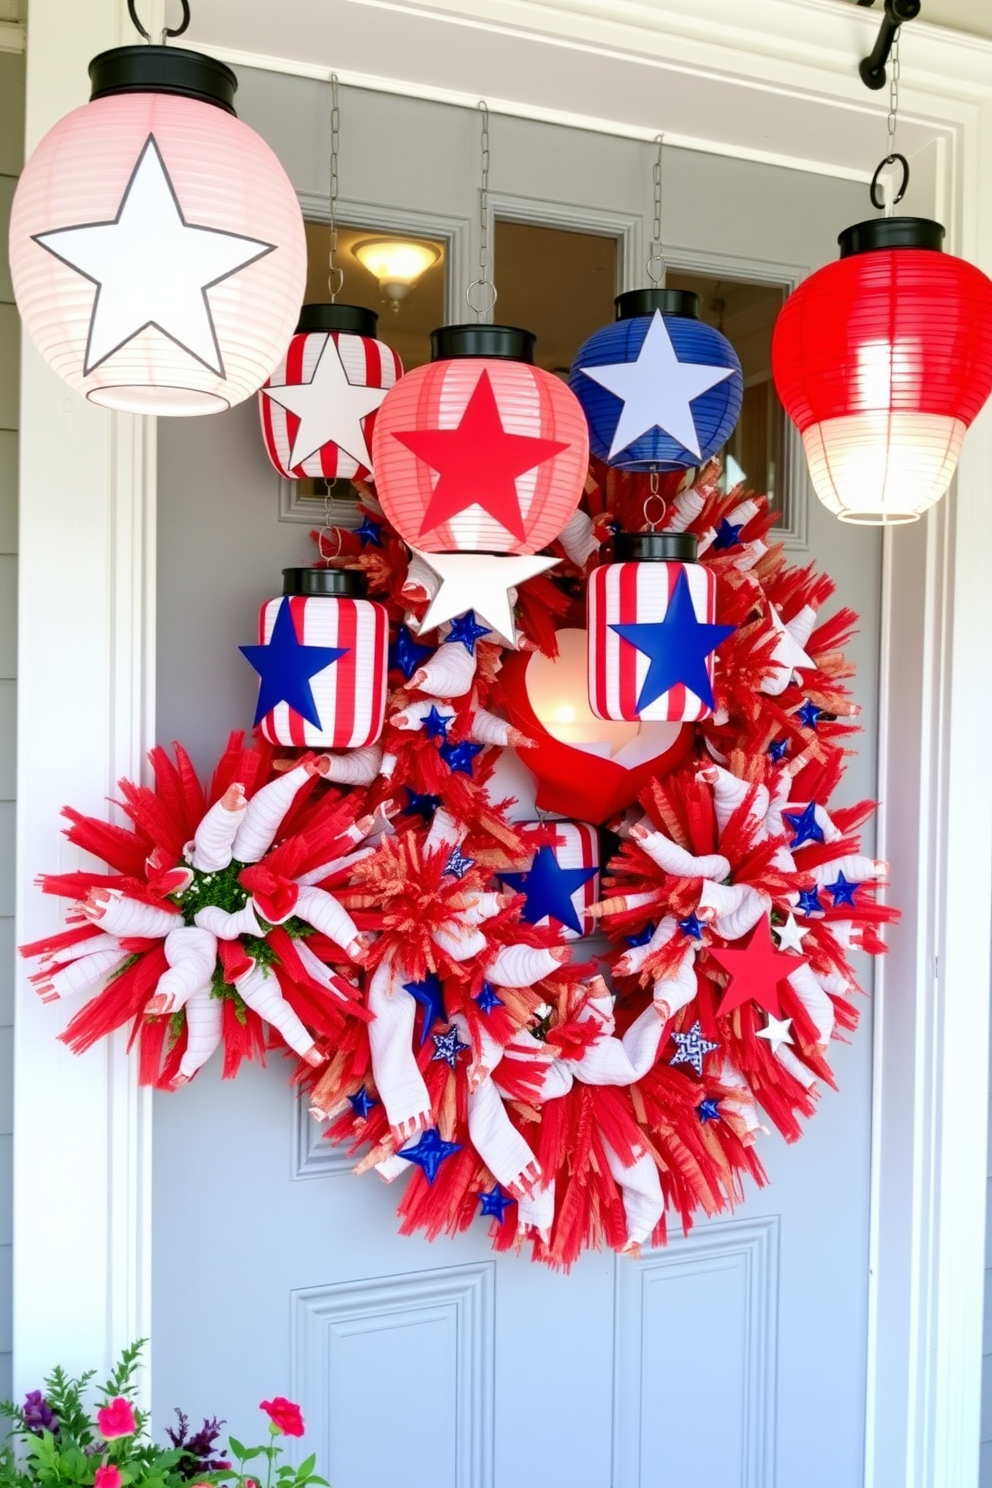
[{"x": 733, "y": 1359}]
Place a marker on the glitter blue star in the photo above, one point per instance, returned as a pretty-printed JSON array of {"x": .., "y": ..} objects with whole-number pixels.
[
  {"x": 494, "y": 1203},
  {"x": 778, "y": 749},
  {"x": 642, "y": 937},
  {"x": 708, "y": 1110},
  {"x": 809, "y": 902},
  {"x": 467, "y": 630},
  {"x": 809, "y": 714},
  {"x": 448, "y": 1046},
  {"x": 407, "y": 654},
  {"x": 728, "y": 535},
  {"x": 419, "y": 803},
  {"x": 286, "y": 667},
  {"x": 459, "y": 757},
  {"x": 693, "y": 1048},
  {"x": 435, "y": 724},
  {"x": 430, "y": 1152},
  {"x": 458, "y": 864},
  {"x": 370, "y": 532},
  {"x": 677, "y": 648},
  {"x": 362, "y": 1103},
  {"x": 805, "y": 825},
  {"x": 548, "y": 889},
  {"x": 842, "y": 891},
  {"x": 487, "y": 999},
  {"x": 430, "y": 994},
  {"x": 692, "y": 927}
]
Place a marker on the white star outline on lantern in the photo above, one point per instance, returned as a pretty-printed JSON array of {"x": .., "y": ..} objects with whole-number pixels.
[
  {"x": 331, "y": 409},
  {"x": 179, "y": 262},
  {"x": 657, "y": 390}
]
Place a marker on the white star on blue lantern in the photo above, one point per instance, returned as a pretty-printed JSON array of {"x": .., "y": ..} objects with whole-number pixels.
[
  {"x": 693, "y": 1048},
  {"x": 809, "y": 714},
  {"x": 430, "y": 994},
  {"x": 805, "y": 825},
  {"x": 466, "y": 630},
  {"x": 495, "y": 1203},
  {"x": 459, "y": 757},
  {"x": 286, "y": 667},
  {"x": 430, "y": 1152},
  {"x": 486, "y": 1000},
  {"x": 362, "y": 1103},
  {"x": 436, "y": 724},
  {"x": 677, "y": 648},
  {"x": 809, "y": 903},
  {"x": 548, "y": 889},
  {"x": 407, "y": 654},
  {"x": 842, "y": 891},
  {"x": 448, "y": 1046},
  {"x": 458, "y": 864}
]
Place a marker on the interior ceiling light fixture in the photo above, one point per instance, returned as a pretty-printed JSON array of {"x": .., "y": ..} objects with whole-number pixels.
[
  {"x": 397, "y": 263},
  {"x": 884, "y": 359}
]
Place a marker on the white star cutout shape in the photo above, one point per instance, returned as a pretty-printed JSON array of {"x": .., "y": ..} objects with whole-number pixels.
[
  {"x": 657, "y": 390},
  {"x": 479, "y": 582},
  {"x": 790, "y": 936},
  {"x": 776, "y": 1031},
  {"x": 330, "y": 409},
  {"x": 151, "y": 267},
  {"x": 788, "y": 652}
]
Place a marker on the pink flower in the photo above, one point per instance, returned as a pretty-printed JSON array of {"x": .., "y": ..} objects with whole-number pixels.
[
  {"x": 284, "y": 1415},
  {"x": 108, "y": 1476},
  {"x": 116, "y": 1419}
]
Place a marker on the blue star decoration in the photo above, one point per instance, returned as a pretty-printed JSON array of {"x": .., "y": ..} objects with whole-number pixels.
[
  {"x": 677, "y": 648},
  {"x": 495, "y": 1203},
  {"x": 842, "y": 892},
  {"x": 430, "y": 994},
  {"x": 466, "y": 630},
  {"x": 285, "y": 668},
  {"x": 370, "y": 532},
  {"x": 692, "y": 927},
  {"x": 448, "y": 1046},
  {"x": 805, "y": 825},
  {"x": 548, "y": 889},
  {"x": 809, "y": 902},
  {"x": 728, "y": 535},
  {"x": 407, "y": 654},
  {"x": 459, "y": 757},
  {"x": 778, "y": 749},
  {"x": 419, "y": 803},
  {"x": 708, "y": 1110},
  {"x": 430, "y": 1152},
  {"x": 362, "y": 1103},
  {"x": 458, "y": 864},
  {"x": 693, "y": 1048},
  {"x": 486, "y": 1000},
  {"x": 642, "y": 937},
  {"x": 435, "y": 724},
  {"x": 809, "y": 714}
]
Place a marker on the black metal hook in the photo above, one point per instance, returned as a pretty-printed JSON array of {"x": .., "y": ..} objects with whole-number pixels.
[
  {"x": 897, "y": 12},
  {"x": 176, "y": 31}
]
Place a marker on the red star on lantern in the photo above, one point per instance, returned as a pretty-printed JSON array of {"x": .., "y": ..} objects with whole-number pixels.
[
  {"x": 478, "y": 463},
  {"x": 756, "y": 970}
]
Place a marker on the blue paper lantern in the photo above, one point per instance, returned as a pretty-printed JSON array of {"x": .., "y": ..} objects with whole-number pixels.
[{"x": 660, "y": 389}]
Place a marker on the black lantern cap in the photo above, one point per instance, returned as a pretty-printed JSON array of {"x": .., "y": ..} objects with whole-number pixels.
[
  {"x": 328, "y": 317},
  {"x": 891, "y": 232},
  {"x": 324, "y": 583},
  {"x": 647, "y": 301},
  {"x": 508, "y": 343},
  {"x": 655, "y": 547},
  {"x": 163, "y": 69}
]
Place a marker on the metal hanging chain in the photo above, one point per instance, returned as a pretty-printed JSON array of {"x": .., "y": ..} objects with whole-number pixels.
[
  {"x": 335, "y": 274},
  {"x": 891, "y": 200},
  {"x": 167, "y": 32},
  {"x": 656, "y": 266},
  {"x": 483, "y": 300}
]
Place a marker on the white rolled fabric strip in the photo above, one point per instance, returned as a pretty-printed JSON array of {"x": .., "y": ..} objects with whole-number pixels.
[
  {"x": 204, "y": 1026},
  {"x": 399, "y": 1082},
  {"x": 265, "y": 812},
  {"x": 119, "y": 915},
  {"x": 640, "y": 1190},
  {"x": 192, "y": 955},
  {"x": 261, "y": 992},
  {"x": 212, "y": 847}
]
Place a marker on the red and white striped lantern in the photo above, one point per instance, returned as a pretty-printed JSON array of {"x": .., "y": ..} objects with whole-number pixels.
[
  {"x": 315, "y": 419},
  {"x": 577, "y": 847},
  {"x": 638, "y": 591},
  {"x": 350, "y": 695}
]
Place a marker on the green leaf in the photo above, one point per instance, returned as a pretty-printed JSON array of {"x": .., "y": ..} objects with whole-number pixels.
[
  {"x": 307, "y": 1466},
  {"x": 236, "y": 1447}
]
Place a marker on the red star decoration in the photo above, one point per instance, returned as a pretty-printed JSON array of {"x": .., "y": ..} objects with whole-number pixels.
[
  {"x": 478, "y": 463},
  {"x": 756, "y": 970}
]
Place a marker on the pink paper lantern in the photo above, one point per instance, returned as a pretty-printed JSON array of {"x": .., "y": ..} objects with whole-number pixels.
[
  {"x": 480, "y": 451},
  {"x": 156, "y": 245}
]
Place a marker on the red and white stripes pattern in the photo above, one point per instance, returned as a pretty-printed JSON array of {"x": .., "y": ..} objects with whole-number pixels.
[
  {"x": 578, "y": 847},
  {"x": 367, "y": 363},
  {"x": 350, "y": 694},
  {"x": 637, "y": 594}
]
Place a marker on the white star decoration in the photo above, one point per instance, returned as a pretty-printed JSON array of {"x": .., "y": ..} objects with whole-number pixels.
[
  {"x": 330, "y": 409},
  {"x": 790, "y": 936},
  {"x": 479, "y": 582},
  {"x": 776, "y": 1031},
  {"x": 151, "y": 267},
  {"x": 788, "y": 652},
  {"x": 657, "y": 390}
]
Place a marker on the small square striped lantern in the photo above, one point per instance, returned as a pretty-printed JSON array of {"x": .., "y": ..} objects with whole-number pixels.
[
  {"x": 350, "y": 695},
  {"x": 319, "y": 407},
  {"x": 576, "y": 853},
  {"x": 638, "y": 591}
]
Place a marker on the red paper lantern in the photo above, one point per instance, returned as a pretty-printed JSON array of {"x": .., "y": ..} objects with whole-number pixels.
[
  {"x": 480, "y": 451},
  {"x": 318, "y": 409},
  {"x": 882, "y": 360}
]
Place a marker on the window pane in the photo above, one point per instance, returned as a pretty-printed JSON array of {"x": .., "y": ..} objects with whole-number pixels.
[{"x": 556, "y": 283}]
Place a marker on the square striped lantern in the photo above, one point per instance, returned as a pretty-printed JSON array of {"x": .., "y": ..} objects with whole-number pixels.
[
  {"x": 651, "y": 631},
  {"x": 339, "y": 705},
  {"x": 560, "y": 881}
]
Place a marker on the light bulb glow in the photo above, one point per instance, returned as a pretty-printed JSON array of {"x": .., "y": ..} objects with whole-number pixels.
[{"x": 396, "y": 261}]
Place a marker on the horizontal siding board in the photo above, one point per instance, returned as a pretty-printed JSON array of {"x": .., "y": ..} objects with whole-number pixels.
[
  {"x": 8, "y": 616},
  {"x": 7, "y": 185},
  {"x": 8, "y": 739},
  {"x": 11, "y": 113},
  {"x": 10, "y": 367},
  {"x": 8, "y": 491},
  {"x": 6, "y": 858},
  {"x": 7, "y": 954}
]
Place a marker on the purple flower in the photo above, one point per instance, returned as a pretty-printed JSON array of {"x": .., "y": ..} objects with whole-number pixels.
[
  {"x": 38, "y": 1414},
  {"x": 198, "y": 1449}
]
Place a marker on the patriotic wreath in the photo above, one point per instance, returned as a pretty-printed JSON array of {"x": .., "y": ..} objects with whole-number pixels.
[{"x": 381, "y": 916}]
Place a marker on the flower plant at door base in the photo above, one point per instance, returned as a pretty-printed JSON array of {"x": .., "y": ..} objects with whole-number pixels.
[{"x": 396, "y": 920}]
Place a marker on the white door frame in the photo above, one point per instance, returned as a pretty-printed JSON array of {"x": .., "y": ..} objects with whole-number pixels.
[{"x": 86, "y": 668}]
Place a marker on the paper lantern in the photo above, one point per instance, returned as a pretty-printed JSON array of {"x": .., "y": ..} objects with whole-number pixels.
[
  {"x": 882, "y": 360},
  {"x": 321, "y": 660},
  {"x": 480, "y": 451},
  {"x": 661, "y": 390},
  {"x": 156, "y": 245},
  {"x": 560, "y": 880},
  {"x": 318, "y": 408},
  {"x": 651, "y": 631}
]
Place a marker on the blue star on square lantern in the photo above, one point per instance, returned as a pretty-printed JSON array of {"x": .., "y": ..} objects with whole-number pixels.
[
  {"x": 661, "y": 390},
  {"x": 560, "y": 881}
]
